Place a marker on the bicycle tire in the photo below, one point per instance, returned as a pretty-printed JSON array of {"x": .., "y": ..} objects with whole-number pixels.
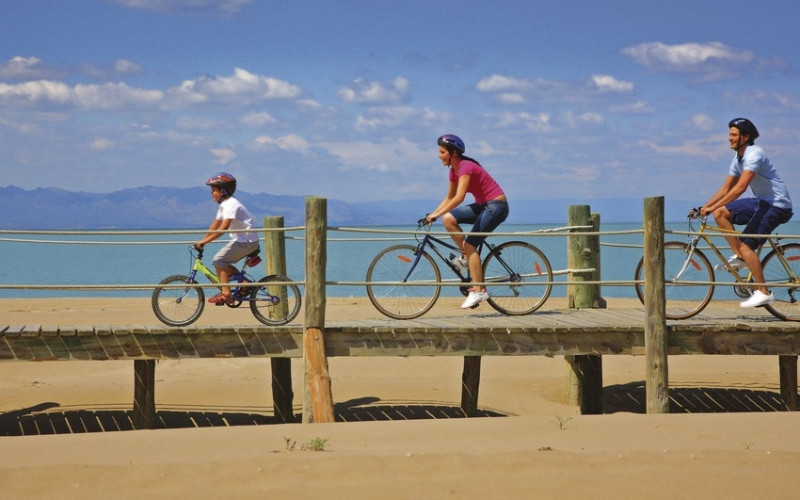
[
  {"x": 682, "y": 301},
  {"x": 529, "y": 266},
  {"x": 786, "y": 305},
  {"x": 405, "y": 301},
  {"x": 177, "y": 306},
  {"x": 267, "y": 309}
]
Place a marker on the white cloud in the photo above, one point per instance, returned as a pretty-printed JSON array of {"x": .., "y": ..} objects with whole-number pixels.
[
  {"x": 633, "y": 108},
  {"x": 125, "y": 67},
  {"x": 106, "y": 96},
  {"x": 383, "y": 117},
  {"x": 708, "y": 147},
  {"x": 607, "y": 83},
  {"x": 362, "y": 91},
  {"x": 258, "y": 119},
  {"x": 101, "y": 144},
  {"x": 242, "y": 87},
  {"x": 223, "y": 155},
  {"x": 289, "y": 142},
  {"x": 537, "y": 122},
  {"x": 401, "y": 152},
  {"x": 708, "y": 61},
  {"x": 702, "y": 122},
  {"x": 25, "y": 68},
  {"x": 228, "y": 7},
  {"x": 506, "y": 84}
]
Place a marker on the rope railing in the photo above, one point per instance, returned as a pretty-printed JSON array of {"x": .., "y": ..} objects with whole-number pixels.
[{"x": 564, "y": 231}]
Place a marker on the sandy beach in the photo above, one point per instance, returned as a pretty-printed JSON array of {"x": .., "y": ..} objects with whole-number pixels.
[{"x": 399, "y": 433}]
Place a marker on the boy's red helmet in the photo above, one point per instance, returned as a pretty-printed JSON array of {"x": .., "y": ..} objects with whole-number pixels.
[{"x": 224, "y": 181}]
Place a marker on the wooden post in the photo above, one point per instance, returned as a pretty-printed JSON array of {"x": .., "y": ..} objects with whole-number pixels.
[
  {"x": 470, "y": 382},
  {"x": 584, "y": 371},
  {"x": 275, "y": 257},
  {"x": 144, "y": 401},
  {"x": 787, "y": 366},
  {"x": 655, "y": 327},
  {"x": 317, "y": 400},
  {"x": 583, "y": 252}
]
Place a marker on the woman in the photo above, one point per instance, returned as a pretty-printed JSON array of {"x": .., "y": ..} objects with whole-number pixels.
[{"x": 488, "y": 211}]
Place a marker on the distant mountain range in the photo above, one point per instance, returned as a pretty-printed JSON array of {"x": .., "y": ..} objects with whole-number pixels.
[{"x": 163, "y": 207}]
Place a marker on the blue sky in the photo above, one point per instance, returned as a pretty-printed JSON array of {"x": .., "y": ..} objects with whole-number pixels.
[{"x": 572, "y": 99}]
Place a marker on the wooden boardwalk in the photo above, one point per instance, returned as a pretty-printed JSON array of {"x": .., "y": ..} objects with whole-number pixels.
[{"x": 721, "y": 329}]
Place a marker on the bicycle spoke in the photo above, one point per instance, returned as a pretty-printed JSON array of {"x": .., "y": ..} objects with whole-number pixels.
[
  {"x": 402, "y": 284},
  {"x": 518, "y": 277}
]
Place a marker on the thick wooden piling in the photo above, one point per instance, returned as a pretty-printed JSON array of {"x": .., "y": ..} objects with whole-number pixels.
[
  {"x": 275, "y": 256},
  {"x": 144, "y": 399},
  {"x": 317, "y": 400},
  {"x": 584, "y": 372},
  {"x": 655, "y": 327}
]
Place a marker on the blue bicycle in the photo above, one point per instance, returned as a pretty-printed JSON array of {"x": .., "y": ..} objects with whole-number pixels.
[
  {"x": 404, "y": 282},
  {"x": 273, "y": 301}
]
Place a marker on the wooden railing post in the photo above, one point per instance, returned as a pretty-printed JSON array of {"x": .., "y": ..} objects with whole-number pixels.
[
  {"x": 275, "y": 257},
  {"x": 584, "y": 371},
  {"x": 317, "y": 400},
  {"x": 655, "y": 327}
]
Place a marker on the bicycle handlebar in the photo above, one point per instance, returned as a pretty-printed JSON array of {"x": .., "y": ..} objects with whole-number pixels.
[
  {"x": 694, "y": 213},
  {"x": 195, "y": 248}
]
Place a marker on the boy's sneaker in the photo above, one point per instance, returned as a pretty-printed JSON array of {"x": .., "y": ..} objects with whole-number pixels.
[
  {"x": 474, "y": 298},
  {"x": 758, "y": 299}
]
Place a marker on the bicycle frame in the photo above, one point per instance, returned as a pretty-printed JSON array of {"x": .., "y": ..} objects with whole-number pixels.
[
  {"x": 706, "y": 231},
  {"x": 199, "y": 267},
  {"x": 429, "y": 241}
]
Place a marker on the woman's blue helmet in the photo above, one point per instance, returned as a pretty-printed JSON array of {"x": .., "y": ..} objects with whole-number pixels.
[{"x": 452, "y": 141}]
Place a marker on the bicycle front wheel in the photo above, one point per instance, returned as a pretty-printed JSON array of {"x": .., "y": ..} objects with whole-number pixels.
[
  {"x": 518, "y": 278},
  {"x": 275, "y": 304},
  {"x": 786, "y": 305},
  {"x": 682, "y": 300},
  {"x": 178, "y": 306},
  {"x": 395, "y": 282}
]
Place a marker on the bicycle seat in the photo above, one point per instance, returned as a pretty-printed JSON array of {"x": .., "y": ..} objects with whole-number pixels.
[{"x": 253, "y": 259}]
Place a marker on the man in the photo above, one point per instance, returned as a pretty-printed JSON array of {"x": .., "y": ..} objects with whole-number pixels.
[{"x": 771, "y": 206}]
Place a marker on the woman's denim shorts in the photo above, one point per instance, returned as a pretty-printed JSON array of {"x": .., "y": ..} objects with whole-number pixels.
[{"x": 484, "y": 217}]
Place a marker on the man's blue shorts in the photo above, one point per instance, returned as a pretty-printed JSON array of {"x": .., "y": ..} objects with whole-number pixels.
[
  {"x": 484, "y": 217},
  {"x": 759, "y": 216}
]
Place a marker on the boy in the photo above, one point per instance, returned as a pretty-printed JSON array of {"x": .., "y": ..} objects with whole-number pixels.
[{"x": 230, "y": 215}]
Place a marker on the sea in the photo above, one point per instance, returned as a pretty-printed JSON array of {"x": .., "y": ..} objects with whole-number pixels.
[{"x": 53, "y": 264}]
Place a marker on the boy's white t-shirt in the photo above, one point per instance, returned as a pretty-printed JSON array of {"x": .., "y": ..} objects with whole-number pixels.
[{"x": 231, "y": 208}]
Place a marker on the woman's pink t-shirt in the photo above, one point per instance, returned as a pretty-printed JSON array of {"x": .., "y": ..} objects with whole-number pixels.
[{"x": 482, "y": 186}]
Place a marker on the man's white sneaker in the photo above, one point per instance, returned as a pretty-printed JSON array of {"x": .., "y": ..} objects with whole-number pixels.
[
  {"x": 474, "y": 298},
  {"x": 758, "y": 299}
]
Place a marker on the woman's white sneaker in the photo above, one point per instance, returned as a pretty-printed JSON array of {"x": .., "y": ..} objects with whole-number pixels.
[
  {"x": 758, "y": 299},
  {"x": 474, "y": 298}
]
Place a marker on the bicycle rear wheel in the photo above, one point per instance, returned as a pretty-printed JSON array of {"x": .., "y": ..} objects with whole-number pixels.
[
  {"x": 179, "y": 306},
  {"x": 407, "y": 300},
  {"x": 786, "y": 305},
  {"x": 518, "y": 276},
  {"x": 273, "y": 304},
  {"x": 682, "y": 300}
]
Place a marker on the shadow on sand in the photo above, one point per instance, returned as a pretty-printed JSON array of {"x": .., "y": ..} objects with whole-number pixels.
[{"x": 49, "y": 418}]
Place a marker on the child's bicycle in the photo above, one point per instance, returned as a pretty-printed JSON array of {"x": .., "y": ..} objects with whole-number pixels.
[
  {"x": 689, "y": 275},
  {"x": 274, "y": 303},
  {"x": 404, "y": 282}
]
